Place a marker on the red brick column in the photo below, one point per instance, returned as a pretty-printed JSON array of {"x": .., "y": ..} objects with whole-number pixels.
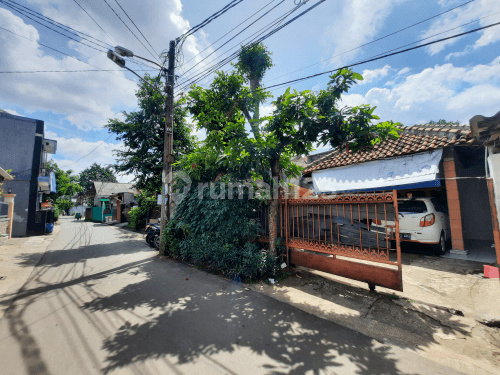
[
  {"x": 457, "y": 238},
  {"x": 119, "y": 211}
]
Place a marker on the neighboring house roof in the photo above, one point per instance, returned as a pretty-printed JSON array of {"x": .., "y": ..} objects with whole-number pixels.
[
  {"x": 4, "y": 175},
  {"x": 414, "y": 139},
  {"x": 105, "y": 189}
]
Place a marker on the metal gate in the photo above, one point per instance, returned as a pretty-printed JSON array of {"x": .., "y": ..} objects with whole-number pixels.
[{"x": 350, "y": 235}]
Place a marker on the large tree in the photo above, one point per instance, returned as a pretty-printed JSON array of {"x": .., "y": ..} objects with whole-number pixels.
[
  {"x": 95, "y": 173},
  {"x": 299, "y": 121},
  {"x": 142, "y": 133}
]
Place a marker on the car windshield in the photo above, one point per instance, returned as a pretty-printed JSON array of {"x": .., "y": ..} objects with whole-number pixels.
[{"x": 412, "y": 207}]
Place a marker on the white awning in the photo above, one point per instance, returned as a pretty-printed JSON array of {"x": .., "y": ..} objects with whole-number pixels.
[{"x": 378, "y": 174}]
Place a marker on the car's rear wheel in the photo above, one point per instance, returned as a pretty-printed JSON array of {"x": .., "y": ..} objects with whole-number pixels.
[{"x": 440, "y": 248}]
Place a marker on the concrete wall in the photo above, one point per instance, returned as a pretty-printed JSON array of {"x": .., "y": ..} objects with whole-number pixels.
[
  {"x": 4, "y": 225},
  {"x": 17, "y": 152},
  {"x": 473, "y": 192}
]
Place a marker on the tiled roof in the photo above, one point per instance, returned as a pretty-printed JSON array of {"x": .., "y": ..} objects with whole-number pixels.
[{"x": 416, "y": 138}]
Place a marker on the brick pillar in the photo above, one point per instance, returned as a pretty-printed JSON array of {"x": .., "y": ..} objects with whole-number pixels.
[
  {"x": 457, "y": 238},
  {"x": 119, "y": 211},
  {"x": 9, "y": 198}
]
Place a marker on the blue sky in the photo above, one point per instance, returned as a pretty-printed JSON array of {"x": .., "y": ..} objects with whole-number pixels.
[{"x": 454, "y": 80}]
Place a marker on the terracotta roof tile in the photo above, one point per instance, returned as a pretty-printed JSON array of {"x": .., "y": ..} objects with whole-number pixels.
[{"x": 416, "y": 138}]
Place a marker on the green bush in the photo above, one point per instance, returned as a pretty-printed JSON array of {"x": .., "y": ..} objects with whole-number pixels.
[
  {"x": 137, "y": 220},
  {"x": 138, "y": 214},
  {"x": 215, "y": 232}
]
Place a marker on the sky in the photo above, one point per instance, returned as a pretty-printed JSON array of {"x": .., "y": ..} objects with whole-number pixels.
[{"x": 453, "y": 80}]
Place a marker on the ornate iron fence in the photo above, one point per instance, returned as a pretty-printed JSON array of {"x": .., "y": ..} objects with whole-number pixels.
[{"x": 363, "y": 226}]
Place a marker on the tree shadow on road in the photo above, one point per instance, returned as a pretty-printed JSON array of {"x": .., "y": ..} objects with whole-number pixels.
[{"x": 201, "y": 316}]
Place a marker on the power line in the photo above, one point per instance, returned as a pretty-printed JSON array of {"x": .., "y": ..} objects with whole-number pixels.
[
  {"x": 100, "y": 144},
  {"x": 156, "y": 57},
  {"x": 210, "y": 19},
  {"x": 376, "y": 40},
  {"x": 203, "y": 71},
  {"x": 386, "y": 55},
  {"x": 281, "y": 2},
  {"x": 88, "y": 14},
  {"x": 215, "y": 66},
  {"x": 24, "y": 14},
  {"x": 136, "y": 26},
  {"x": 272, "y": 32},
  {"x": 53, "y": 22},
  {"x": 265, "y": 6},
  {"x": 76, "y": 58},
  {"x": 76, "y": 71}
]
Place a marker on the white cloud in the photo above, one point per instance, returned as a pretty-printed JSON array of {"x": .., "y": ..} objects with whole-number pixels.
[
  {"x": 12, "y": 112},
  {"x": 403, "y": 71},
  {"x": 372, "y": 75},
  {"x": 444, "y": 91},
  {"x": 475, "y": 10},
  {"x": 85, "y": 99},
  {"x": 360, "y": 20}
]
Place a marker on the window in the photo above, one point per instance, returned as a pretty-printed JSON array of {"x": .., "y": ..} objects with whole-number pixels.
[
  {"x": 438, "y": 206},
  {"x": 412, "y": 207}
]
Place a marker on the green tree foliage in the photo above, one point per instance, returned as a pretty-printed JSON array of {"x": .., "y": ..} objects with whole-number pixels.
[
  {"x": 253, "y": 63},
  {"x": 444, "y": 122},
  {"x": 142, "y": 133},
  {"x": 298, "y": 122},
  {"x": 138, "y": 214},
  {"x": 95, "y": 173},
  {"x": 67, "y": 183}
]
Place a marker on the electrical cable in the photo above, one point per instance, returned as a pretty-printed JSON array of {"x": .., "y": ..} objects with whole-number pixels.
[
  {"x": 152, "y": 54},
  {"x": 27, "y": 16},
  {"x": 376, "y": 40},
  {"x": 88, "y": 14},
  {"x": 76, "y": 71},
  {"x": 268, "y": 34},
  {"x": 53, "y": 22},
  {"x": 281, "y": 2},
  {"x": 136, "y": 27},
  {"x": 100, "y": 144},
  {"x": 386, "y": 55},
  {"x": 214, "y": 67},
  {"x": 265, "y": 6},
  {"x": 76, "y": 58},
  {"x": 210, "y": 19}
]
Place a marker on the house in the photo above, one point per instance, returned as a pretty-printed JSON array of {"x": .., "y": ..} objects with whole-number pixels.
[
  {"x": 24, "y": 150},
  {"x": 111, "y": 198},
  {"x": 442, "y": 161}
]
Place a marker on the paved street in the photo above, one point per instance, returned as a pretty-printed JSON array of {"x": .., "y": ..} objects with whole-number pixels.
[{"x": 100, "y": 301}]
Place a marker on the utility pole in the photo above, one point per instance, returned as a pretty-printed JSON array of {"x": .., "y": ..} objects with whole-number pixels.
[{"x": 168, "y": 157}]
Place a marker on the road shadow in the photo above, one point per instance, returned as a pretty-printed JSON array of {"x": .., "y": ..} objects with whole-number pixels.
[{"x": 198, "y": 317}]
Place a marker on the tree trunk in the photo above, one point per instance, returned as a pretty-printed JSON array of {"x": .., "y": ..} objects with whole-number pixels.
[
  {"x": 254, "y": 85},
  {"x": 273, "y": 209}
]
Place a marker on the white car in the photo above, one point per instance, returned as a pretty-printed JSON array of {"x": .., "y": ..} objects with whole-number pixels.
[{"x": 424, "y": 220}]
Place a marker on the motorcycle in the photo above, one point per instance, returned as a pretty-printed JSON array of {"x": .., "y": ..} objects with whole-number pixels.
[{"x": 153, "y": 235}]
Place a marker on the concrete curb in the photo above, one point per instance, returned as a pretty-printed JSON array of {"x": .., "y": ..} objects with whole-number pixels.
[{"x": 17, "y": 264}]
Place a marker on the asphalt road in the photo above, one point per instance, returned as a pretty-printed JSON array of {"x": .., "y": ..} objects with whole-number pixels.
[{"x": 100, "y": 301}]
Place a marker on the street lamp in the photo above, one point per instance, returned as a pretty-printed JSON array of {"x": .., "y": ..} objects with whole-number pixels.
[{"x": 168, "y": 158}]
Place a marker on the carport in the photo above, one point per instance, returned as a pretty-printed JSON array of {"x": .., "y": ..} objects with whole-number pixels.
[{"x": 438, "y": 161}]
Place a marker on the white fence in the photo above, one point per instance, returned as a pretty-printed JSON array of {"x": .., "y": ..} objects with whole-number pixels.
[{"x": 80, "y": 209}]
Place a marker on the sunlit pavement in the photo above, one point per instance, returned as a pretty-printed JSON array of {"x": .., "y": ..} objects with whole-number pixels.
[{"x": 100, "y": 301}]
